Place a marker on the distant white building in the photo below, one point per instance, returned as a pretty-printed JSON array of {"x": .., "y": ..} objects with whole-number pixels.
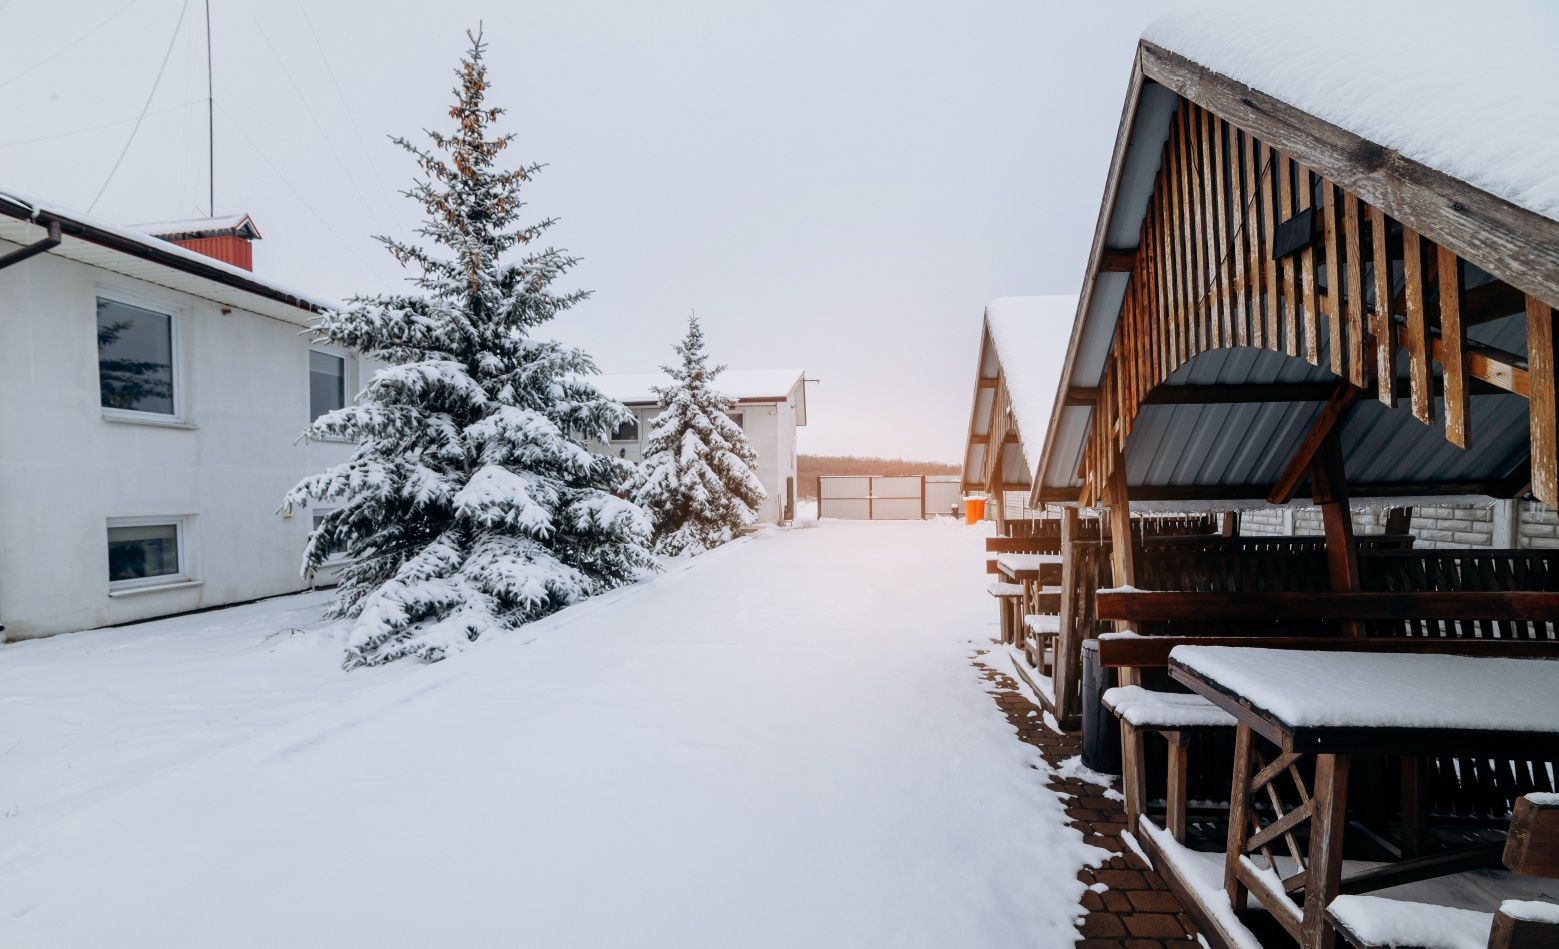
[
  {"x": 770, "y": 405},
  {"x": 151, "y": 398}
]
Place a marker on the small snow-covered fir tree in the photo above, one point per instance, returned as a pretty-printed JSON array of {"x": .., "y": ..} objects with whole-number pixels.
[
  {"x": 697, "y": 480},
  {"x": 471, "y": 504}
]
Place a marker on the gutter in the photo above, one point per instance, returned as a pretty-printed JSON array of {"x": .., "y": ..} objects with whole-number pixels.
[
  {"x": 33, "y": 250},
  {"x": 59, "y": 224}
]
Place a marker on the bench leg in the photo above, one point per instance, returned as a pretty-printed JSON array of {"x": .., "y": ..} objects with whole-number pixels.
[
  {"x": 1324, "y": 872},
  {"x": 1174, "y": 799},
  {"x": 1133, "y": 784},
  {"x": 1239, "y": 817},
  {"x": 1415, "y": 808}
]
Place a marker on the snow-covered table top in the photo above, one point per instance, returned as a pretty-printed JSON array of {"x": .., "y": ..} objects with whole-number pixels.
[
  {"x": 1324, "y": 701},
  {"x": 1025, "y": 566}
]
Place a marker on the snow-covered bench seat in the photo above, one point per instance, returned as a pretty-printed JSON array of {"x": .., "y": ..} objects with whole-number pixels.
[
  {"x": 1174, "y": 716},
  {"x": 1042, "y": 624},
  {"x": 1005, "y": 589},
  {"x": 1374, "y": 921},
  {"x": 1164, "y": 711}
]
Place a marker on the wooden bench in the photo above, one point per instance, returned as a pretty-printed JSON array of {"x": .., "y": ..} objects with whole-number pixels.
[
  {"x": 1531, "y": 848},
  {"x": 1175, "y": 717}
]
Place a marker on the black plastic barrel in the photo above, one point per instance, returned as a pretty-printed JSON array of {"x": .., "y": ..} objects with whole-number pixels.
[{"x": 1101, "y": 731}]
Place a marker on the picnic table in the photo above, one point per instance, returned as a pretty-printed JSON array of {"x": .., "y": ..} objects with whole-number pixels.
[{"x": 1335, "y": 705}]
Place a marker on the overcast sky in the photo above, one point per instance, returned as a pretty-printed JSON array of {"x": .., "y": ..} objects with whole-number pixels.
[{"x": 836, "y": 186}]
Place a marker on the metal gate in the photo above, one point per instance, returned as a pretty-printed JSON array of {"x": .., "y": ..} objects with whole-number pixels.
[{"x": 873, "y": 497}]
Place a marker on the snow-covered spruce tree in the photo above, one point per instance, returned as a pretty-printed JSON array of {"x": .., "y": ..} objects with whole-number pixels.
[
  {"x": 697, "y": 480},
  {"x": 470, "y": 505}
]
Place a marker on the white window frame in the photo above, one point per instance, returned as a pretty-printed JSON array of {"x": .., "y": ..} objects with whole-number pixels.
[
  {"x": 348, "y": 390},
  {"x": 638, "y": 431},
  {"x": 186, "y": 575},
  {"x": 334, "y": 560},
  {"x": 176, "y": 319}
]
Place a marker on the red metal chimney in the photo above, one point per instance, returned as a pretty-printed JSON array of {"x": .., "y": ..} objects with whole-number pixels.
[{"x": 228, "y": 239}]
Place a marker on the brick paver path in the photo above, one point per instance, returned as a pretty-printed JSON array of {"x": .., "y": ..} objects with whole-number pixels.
[{"x": 1137, "y": 911}]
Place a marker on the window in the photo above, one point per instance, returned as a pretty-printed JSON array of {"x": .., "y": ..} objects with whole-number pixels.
[
  {"x": 736, "y": 417},
  {"x": 337, "y": 549},
  {"x": 327, "y": 383},
  {"x": 627, "y": 431},
  {"x": 135, "y": 358},
  {"x": 145, "y": 552}
]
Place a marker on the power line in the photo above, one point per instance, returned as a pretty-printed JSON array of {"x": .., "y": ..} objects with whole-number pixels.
[
  {"x": 351, "y": 116},
  {"x": 351, "y": 178},
  {"x": 301, "y": 199},
  {"x": 68, "y": 46},
  {"x": 95, "y": 128},
  {"x": 155, "y": 83}
]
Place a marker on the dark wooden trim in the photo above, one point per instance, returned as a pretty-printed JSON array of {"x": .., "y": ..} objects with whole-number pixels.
[
  {"x": 1147, "y": 605},
  {"x": 1152, "y": 652},
  {"x": 1506, "y": 240},
  {"x": 1081, "y": 395},
  {"x": 1248, "y": 492},
  {"x": 1117, "y": 259}
]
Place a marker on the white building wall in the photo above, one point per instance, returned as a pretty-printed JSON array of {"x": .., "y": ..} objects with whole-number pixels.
[
  {"x": 65, "y": 469},
  {"x": 1519, "y": 524},
  {"x": 770, "y": 428}
]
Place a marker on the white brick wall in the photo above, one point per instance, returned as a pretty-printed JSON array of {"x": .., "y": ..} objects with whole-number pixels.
[{"x": 1434, "y": 525}]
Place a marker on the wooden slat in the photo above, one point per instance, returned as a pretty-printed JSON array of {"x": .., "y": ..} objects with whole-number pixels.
[
  {"x": 1417, "y": 324},
  {"x": 1307, "y": 287},
  {"x": 1239, "y": 157},
  {"x": 1355, "y": 289},
  {"x": 1540, "y": 368},
  {"x": 1288, "y": 285},
  {"x": 1201, "y": 222},
  {"x": 1258, "y": 336},
  {"x": 1176, "y": 234},
  {"x": 1268, "y": 182},
  {"x": 1334, "y": 279},
  {"x": 1453, "y": 339},
  {"x": 1385, "y": 338},
  {"x": 1221, "y": 233}
]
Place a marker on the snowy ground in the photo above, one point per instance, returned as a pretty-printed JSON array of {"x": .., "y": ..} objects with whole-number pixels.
[{"x": 778, "y": 744}]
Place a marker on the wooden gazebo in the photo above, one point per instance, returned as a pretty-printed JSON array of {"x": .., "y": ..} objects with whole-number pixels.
[{"x": 1277, "y": 307}]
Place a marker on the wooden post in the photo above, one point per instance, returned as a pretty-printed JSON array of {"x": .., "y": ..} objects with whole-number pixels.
[
  {"x": 1329, "y": 490},
  {"x": 1239, "y": 817},
  {"x": 1415, "y": 808},
  {"x": 1123, "y": 572},
  {"x": 1229, "y": 524},
  {"x": 1174, "y": 797},
  {"x": 1069, "y": 644},
  {"x": 1324, "y": 872}
]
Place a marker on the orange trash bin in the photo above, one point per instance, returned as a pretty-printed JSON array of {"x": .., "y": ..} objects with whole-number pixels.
[{"x": 974, "y": 510}]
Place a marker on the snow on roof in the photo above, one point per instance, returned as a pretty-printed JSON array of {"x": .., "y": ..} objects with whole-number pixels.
[
  {"x": 1464, "y": 90},
  {"x": 38, "y": 208},
  {"x": 240, "y": 224},
  {"x": 750, "y": 385},
  {"x": 1031, "y": 335}
]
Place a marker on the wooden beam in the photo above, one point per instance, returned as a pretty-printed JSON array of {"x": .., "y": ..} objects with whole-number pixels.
[
  {"x": 1082, "y": 395},
  {"x": 1544, "y": 399},
  {"x": 989, "y": 383},
  {"x": 1117, "y": 259},
  {"x": 1532, "y": 845},
  {"x": 1249, "y": 492},
  {"x": 1152, "y": 652},
  {"x": 1329, "y": 489},
  {"x": 1282, "y": 605},
  {"x": 1330, "y": 419}
]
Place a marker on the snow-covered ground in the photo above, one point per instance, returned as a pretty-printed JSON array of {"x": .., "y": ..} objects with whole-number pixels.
[{"x": 781, "y": 743}]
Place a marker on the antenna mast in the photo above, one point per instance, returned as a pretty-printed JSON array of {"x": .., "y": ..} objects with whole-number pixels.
[{"x": 211, "y": 121}]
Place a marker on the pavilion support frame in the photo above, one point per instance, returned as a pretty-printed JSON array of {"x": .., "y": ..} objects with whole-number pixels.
[{"x": 1210, "y": 273}]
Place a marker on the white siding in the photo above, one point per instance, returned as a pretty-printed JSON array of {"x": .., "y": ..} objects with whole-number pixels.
[{"x": 65, "y": 470}]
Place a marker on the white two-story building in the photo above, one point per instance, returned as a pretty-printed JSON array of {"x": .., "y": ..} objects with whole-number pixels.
[
  {"x": 152, "y": 390},
  {"x": 770, "y": 405}
]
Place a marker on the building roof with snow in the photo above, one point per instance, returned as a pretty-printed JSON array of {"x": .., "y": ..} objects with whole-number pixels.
[
  {"x": 134, "y": 252},
  {"x": 1022, "y": 342},
  {"x": 743, "y": 385},
  {"x": 1338, "y": 228}
]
